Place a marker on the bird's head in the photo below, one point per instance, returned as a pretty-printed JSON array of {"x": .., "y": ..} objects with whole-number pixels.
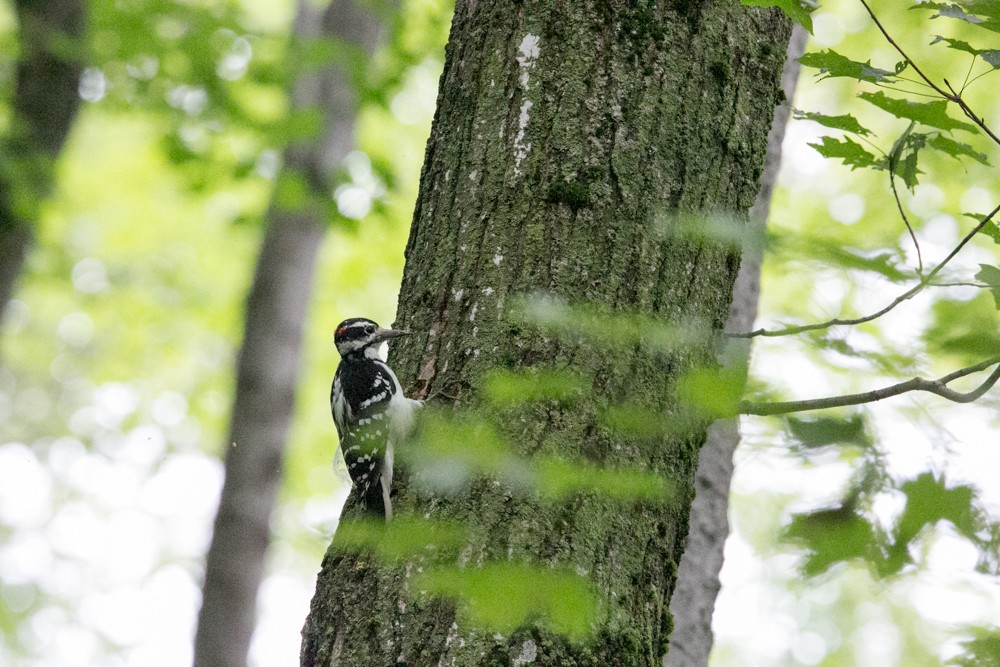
[{"x": 361, "y": 336}]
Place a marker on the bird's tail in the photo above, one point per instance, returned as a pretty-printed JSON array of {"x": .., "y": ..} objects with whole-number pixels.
[{"x": 369, "y": 501}]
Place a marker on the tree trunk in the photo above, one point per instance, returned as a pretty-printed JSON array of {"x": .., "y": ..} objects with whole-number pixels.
[
  {"x": 698, "y": 574},
  {"x": 562, "y": 131},
  {"x": 267, "y": 369},
  {"x": 45, "y": 104}
]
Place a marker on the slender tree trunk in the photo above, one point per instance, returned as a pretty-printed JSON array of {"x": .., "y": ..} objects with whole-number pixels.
[
  {"x": 45, "y": 104},
  {"x": 562, "y": 131},
  {"x": 698, "y": 585},
  {"x": 267, "y": 369}
]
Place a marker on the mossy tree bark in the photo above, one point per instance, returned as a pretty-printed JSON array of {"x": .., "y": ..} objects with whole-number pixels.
[{"x": 562, "y": 131}]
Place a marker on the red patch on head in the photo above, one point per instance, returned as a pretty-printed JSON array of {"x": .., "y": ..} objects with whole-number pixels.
[{"x": 340, "y": 331}]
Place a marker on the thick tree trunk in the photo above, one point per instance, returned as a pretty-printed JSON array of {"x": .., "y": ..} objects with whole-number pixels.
[
  {"x": 268, "y": 366},
  {"x": 562, "y": 131},
  {"x": 698, "y": 575},
  {"x": 45, "y": 104}
]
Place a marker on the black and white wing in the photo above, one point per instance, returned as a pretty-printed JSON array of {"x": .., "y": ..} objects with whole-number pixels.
[{"x": 359, "y": 399}]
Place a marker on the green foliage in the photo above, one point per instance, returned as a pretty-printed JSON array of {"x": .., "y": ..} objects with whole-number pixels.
[
  {"x": 934, "y": 114},
  {"x": 851, "y": 152},
  {"x": 845, "y": 122},
  {"x": 832, "y": 65},
  {"x": 822, "y": 431},
  {"x": 991, "y": 276},
  {"x": 832, "y": 536},
  {"x": 506, "y": 596},
  {"x": 403, "y": 538},
  {"x": 968, "y": 329},
  {"x": 981, "y": 13}
]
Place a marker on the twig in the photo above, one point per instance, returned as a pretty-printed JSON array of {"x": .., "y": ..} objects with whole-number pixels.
[
  {"x": 909, "y": 294},
  {"x": 938, "y": 386},
  {"x": 893, "y": 161},
  {"x": 951, "y": 97}
]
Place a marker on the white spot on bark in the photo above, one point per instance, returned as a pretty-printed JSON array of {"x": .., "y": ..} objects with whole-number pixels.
[
  {"x": 472, "y": 175},
  {"x": 527, "y": 55},
  {"x": 497, "y": 258},
  {"x": 488, "y": 291},
  {"x": 520, "y": 147},
  {"x": 472, "y": 315},
  {"x": 457, "y": 294},
  {"x": 529, "y": 652}
]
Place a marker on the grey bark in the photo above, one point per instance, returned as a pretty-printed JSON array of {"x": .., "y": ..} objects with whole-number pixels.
[
  {"x": 267, "y": 368},
  {"x": 45, "y": 104},
  {"x": 562, "y": 131},
  {"x": 698, "y": 574}
]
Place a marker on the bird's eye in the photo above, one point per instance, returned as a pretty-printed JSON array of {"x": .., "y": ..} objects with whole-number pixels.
[{"x": 369, "y": 329}]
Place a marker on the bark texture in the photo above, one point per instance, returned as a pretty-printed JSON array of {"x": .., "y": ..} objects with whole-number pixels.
[
  {"x": 698, "y": 584},
  {"x": 45, "y": 104},
  {"x": 267, "y": 369},
  {"x": 562, "y": 131}
]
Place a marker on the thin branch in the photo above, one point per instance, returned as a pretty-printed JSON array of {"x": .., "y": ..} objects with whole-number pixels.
[
  {"x": 909, "y": 294},
  {"x": 951, "y": 97},
  {"x": 938, "y": 386},
  {"x": 972, "y": 65},
  {"x": 960, "y": 284},
  {"x": 893, "y": 160}
]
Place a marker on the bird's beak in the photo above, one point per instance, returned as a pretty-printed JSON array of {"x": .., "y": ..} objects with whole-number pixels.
[{"x": 386, "y": 334}]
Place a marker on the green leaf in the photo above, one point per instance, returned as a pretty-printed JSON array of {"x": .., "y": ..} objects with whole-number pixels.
[
  {"x": 403, "y": 538},
  {"x": 903, "y": 156},
  {"x": 990, "y": 229},
  {"x": 846, "y": 122},
  {"x": 992, "y": 56},
  {"x": 928, "y": 501},
  {"x": 832, "y": 64},
  {"x": 934, "y": 114},
  {"x": 851, "y": 152},
  {"x": 505, "y": 596},
  {"x": 511, "y": 387},
  {"x": 956, "y": 149},
  {"x": 823, "y": 431},
  {"x": 797, "y": 10},
  {"x": 956, "y": 44},
  {"x": 832, "y": 536},
  {"x": 991, "y": 276},
  {"x": 713, "y": 391},
  {"x": 968, "y": 329}
]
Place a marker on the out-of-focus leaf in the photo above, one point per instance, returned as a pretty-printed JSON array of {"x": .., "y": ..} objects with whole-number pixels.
[
  {"x": 991, "y": 276},
  {"x": 600, "y": 324},
  {"x": 404, "y": 537},
  {"x": 713, "y": 391},
  {"x": 558, "y": 478},
  {"x": 532, "y": 385},
  {"x": 832, "y": 536},
  {"x": 851, "y": 152},
  {"x": 929, "y": 500},
  {"x": 956, "y": 149},
  {"x": 970, "y": 329},
  {"x": 824, "y": 431},
  {"x": 845, "y": 122},
  {"x": 505, "y": 596},
  {"x": 983, "y": 650},
  {"x": 798, "y": 10},
  {"x": 992, "y": 56},
  {"x": 934, "y": 114},
  {"x": 832, "y": 64}
]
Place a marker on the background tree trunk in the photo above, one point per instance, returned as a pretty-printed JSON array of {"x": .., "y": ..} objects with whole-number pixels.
[
  {"x": 698, "y": 585},
  {"x": 562, "y": 131},
  {"x": 267, "y": 369},
  {"x": 45, "y": 103}
]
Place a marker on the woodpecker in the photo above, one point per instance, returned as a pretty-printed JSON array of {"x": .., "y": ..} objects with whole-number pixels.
[{"x": 370, "y": 411}]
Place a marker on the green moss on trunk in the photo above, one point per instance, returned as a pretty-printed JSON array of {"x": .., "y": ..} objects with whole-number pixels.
[{"x": 562, "y": 129}]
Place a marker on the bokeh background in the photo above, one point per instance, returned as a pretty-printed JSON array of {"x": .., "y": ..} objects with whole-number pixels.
[{"x": 117, "y": 354}]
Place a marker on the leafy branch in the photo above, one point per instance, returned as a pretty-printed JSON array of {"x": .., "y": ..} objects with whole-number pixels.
[
  {"x": 905, "y": 296},
  {"x": 938, "y": 386}
]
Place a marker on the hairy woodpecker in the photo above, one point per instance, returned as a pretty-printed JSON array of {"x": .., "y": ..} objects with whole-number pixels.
[{"x": 370, "y": 411}]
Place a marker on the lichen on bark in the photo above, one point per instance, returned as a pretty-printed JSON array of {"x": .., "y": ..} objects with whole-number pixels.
[{"x": 563, "y": 130}]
